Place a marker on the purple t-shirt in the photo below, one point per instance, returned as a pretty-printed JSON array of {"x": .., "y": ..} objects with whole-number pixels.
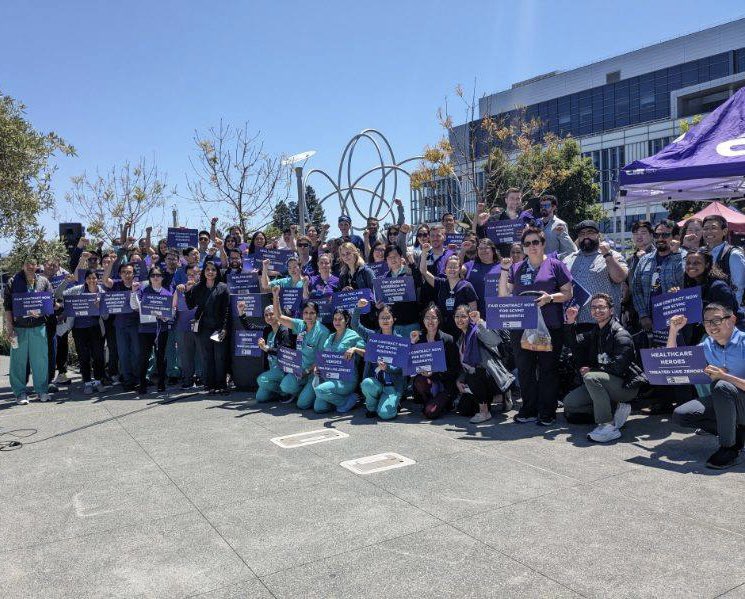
[
  {"x": 549, "y": 277},
  {"x": 476, "y": 273},
  {"x": 320, "y": 288}
]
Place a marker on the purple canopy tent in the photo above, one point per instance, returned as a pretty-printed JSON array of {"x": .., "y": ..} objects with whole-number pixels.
[{"x": 706, "y": 163}]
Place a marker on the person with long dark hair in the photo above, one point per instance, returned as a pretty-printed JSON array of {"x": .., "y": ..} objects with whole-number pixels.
[
  {"x": 692, "y": 234},
  {"x": 401, "y": 264},
  {"x": 487, "y": 262},
  {"x": 211, "y": 299}
]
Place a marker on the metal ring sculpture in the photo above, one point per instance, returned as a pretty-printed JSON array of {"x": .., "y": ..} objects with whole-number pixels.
[{"x": 379, "y": 206}]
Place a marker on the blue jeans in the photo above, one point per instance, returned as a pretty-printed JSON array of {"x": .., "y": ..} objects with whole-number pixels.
[{"x": 128, "y": 346}]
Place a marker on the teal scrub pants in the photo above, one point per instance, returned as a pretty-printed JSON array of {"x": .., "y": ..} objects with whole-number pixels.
[
  {"x": 381, "y": 399},
  {"x": 300, "y": 388},
  {"x": 269, "y": 382},
  {"x": 330, "y": 394},
  {"x": 32, "y": 347}
]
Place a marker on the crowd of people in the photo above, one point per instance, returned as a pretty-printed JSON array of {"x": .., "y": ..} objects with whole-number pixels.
[{"x": 583, "y": 355}]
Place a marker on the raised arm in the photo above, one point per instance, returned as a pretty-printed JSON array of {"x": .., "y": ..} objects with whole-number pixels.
[{"x": 426, "y": 275}]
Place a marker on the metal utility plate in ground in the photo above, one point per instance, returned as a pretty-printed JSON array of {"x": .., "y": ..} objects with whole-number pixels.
[
  {"x": 308, "y": 438},
  {"x": 377, "y": 463}
]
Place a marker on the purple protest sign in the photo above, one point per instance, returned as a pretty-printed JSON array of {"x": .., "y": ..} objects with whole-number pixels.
[
  {"x": 116, "y": 302},
  {"x": 511, "y": 313},
  {"x": 290, "y": 360},
  {"x": 181, "y": 237},
  {"x": 255, "y": 303},
  {"x": 332, "y": 366},
  {"x": 580, "y": 295},
  {"x": 426, "y": 357},
  {"x": 246, "y": 343},
  {"x": 391, "y": 349},
  {"x": 155, "y": 304},
  {"x": 455, "y": 239},
  {"x": 380, "y": 269},
  {"x": 244, "y": 282},
  {"x": 391, "y": 290},
  {"x": 277, "y": 258},
  {"x": 56, "y": 281},
  {"x": 348, "y": 299},
  {"x": 491, "y": 285},
  {"x": 85, "y": 304},
  {"x": 686, "y": 301},
  {"x": 505, "y": 231},
  {"x": 33, "y": 304},
  {"x": 291, "y": 298},
  {"x": 675, "y": 366}
]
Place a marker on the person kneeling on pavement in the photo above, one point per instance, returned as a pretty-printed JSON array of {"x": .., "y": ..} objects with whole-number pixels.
[
  {"x": 723, "y": 411},
  {"x": 605, "y": 355}
]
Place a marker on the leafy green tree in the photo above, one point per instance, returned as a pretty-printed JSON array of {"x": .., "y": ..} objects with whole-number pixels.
[
  {"x": 285, "y": 214},
  {"x": 25, "y": 169},
  {"x": 314, "y": 210},
  {"x": 33, "y": 243}
]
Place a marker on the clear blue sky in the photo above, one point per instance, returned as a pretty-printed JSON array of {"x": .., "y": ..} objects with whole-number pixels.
[{"x": 121, "y": 80}]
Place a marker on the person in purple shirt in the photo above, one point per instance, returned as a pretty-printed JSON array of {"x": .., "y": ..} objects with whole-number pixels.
[
  {"x": 450, "y": 291},
  {"x": 126, "y": 328},
  {"x": 324, "y": 283},
  {"x": 476, "y": 271},
  {"x": 551, "y": 281}
]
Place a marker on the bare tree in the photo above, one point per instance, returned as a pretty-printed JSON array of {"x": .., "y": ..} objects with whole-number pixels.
[
  {"x": 126, "y": 195},
  {"x": 235, "y": 175}
]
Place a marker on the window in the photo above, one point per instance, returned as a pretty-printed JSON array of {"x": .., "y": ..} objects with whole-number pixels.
[{"x": 656, "y": 145}]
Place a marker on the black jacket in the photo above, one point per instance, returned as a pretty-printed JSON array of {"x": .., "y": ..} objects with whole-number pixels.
[
  {"x": 212, "y": 304},
  {"x": 610, "y": 349},
  {"x": 452, "y": 360}
]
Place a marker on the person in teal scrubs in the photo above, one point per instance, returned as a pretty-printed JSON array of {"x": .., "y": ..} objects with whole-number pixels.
[
  {"x": 382, "y": 384},
  {"x": 337, "y": 393},
  {"x": 311, "y": 335},
  {"x": 269, "y": 380},
  {"x": 295, "y": 278}
]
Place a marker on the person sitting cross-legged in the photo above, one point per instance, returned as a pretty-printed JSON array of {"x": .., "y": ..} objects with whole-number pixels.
[
  {"x": 604, "y": 354},
  {"x": 723, "y": 412}
]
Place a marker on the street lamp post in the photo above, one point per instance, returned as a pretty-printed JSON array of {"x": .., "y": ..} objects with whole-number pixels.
[{"x": 302, "y": 157}]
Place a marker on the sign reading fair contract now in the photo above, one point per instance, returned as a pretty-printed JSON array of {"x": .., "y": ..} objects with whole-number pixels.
[
  {"x": 181, "y": 238},
  {"x": 675, "y": 365},
  {"x": 32, "y": 304},
  {"x": 686, "y": 302},
  {"x": 511, "y": 313}
]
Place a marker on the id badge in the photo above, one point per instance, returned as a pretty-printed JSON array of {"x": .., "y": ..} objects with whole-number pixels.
[
  {"x": 526, "y": 279},
  {"x": 450, "y": 304}
]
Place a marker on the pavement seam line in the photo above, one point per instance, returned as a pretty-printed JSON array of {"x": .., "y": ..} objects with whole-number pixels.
[
  {"x": 199, "y": 511},
  {"x": 728, "y": 591}
]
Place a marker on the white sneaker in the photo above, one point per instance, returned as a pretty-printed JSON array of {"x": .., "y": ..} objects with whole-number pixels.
[
  {"x": 621, "y": 415},
  {"x": 44, "y": 397},
  {"x": 481, "y": 417},
  {"x": 22, "y": 400},
  {"x": 604, "y": 433},
  {"x": 88, "y": 388},
  {"x": 61, "y": 379}
]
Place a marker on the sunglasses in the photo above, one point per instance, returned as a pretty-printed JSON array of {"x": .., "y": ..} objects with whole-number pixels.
[
  {"x": 303, "y": 245},
  {"x": 534, "y": 243},
  {"x": 204, "y": 239},
  {"x": 152, "y": 276}
]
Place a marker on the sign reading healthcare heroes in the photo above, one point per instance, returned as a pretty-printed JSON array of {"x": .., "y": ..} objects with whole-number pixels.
[
  {"x": 255, "y": 303},
  {"x": 380, "y": 269},
  {"x": 426, "y": 357},
  {"x": 116, "y": 302},
  {"x": 291, "y": 297},
  {"x": 181, "y": 238},
  {"x": 333, "y": 366},
  {"x": 505, "y": 231},
  {"x": 244, "y": 282},
  {"x": 290, "y": 360},
  {"x": 348, "y": 299},
  {"x": 85, "y": 304},
  {"x": 277, "y": 258},
  {"x": 675, "y": 366},
  {"x": 390, "y": 349},
  {"x": 33, "y": 304},
  {"x": 246, "y": 344},
  {"x": 154, "y": 304},
  {"x": 686, "y": 301},
  {"x": 391, "y": 290},
  {"x": 511, "y": 313},
  {"x": 455, "y": 238}
]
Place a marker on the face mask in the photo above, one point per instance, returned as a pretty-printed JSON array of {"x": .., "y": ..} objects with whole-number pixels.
[{"x": 589, "y": 245}]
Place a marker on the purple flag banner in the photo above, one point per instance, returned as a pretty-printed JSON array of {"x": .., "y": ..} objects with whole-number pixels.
[
  {"x": 686, "y": 301},
  {"x": 675, "y": 366},
  {"x": 391, "y": 349},
  {"x": 426, "y": 357},
  {"x": 511, "y": 313},
  {"x": 33, "y": 304}
]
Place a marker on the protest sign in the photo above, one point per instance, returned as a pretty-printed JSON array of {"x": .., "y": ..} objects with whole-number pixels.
[
  {"x": 255, "y": 304},
  {"x": 455, "y": 238},
  {"x": 181, "y": 237},
  {"x": 491, "y": 285},
  {"x": 391, "y": 290},
  {"x": 511, "y": 313},
  {"x": 332, "y": 365},
  {"x": 277, "y": 258},
  {"x": 580, "y": 296},
  {"x": 426, "y": 357},
  {"x": 390, "y": 349},
  {"x": 291, "y": 298},
  {"x": 33, "y": 304},
  {"x": 246, "y": 343},
  {"x": 675, "y": 366},
  {"x": 244, "y": 282},
  {"x": 290, "y": 360},
  {"x": 184, "y": 316},
  {"x": 348, "y": 299},
  {"x": 85, "y": 304},
  {"x": 380, "y": 269},
  {"x": 505, "y": 231},
  {"x": 116, "y": 302},
  {"x": 686, "y": 301},
  {"x": 56, "y": 281},
  {"x": 154, "y": 304}
]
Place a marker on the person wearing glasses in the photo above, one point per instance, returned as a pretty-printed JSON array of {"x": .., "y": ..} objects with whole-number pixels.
[
  {"x": 642, "y": 236},
  {"x": 722, "y": 412},
  {"x": 597, "y": 268},
  {"x": 604, "y": 354},
  {"x": 657, "y": 272},
  {"x": 552, "y": 281},
  {"x": 555, "y": 229},
  {"x": 729, "y": 259},
  {"x": 486, "y": 263},
  {"x": 305, "y": 258}
]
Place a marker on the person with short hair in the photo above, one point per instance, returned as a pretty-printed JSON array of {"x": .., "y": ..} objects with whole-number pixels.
[
  {"x": 642, "y": 237},
  {"x": 450, "y": 291},
  {"x": 722, "y": 412},
  {"x": 125, "y": 328},
  {"x": 729, "y": 259},
  {"x": 555, "y": 229},
  {"x": 29, "y": 333},
  {"x": 603, "y": 354},
  {"x": 448, "y": 223},
  {"x": 345, "y": 228}
]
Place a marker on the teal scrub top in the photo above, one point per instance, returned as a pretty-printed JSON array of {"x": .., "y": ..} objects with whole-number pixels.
[
  {"x": 311, "y": 341},
  {"x": 349, "y": 339},
  {"x": 285, "y": 282}
]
